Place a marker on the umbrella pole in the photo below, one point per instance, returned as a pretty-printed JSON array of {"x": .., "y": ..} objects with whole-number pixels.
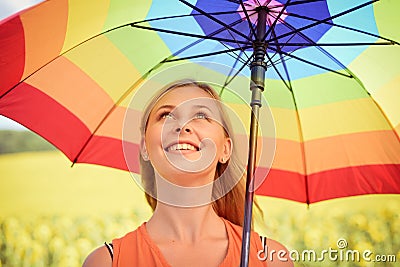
[{"x": 258, "y": 69}]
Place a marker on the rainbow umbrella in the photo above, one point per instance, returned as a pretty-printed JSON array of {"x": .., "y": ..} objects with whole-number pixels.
[{"x": 69, "y": 68}]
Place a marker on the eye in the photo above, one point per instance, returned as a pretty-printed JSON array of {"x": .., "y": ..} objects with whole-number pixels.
[
  {"x": 201, "y": 115},
  {"x": 166, "y": 115}
]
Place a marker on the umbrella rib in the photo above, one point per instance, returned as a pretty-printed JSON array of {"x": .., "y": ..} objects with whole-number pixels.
[
  {"x": 283, "y": 63},
  {"x": 378, "y": 106},
  {"x": 326, "y": 53},
  {"x": 352, "y": 75},
  {"x": 214, "y": 19},
  {"x": 349, "y": 72},
  {"x": 201, "y": 40},
  {"x": 242, "y": 48},
  {"x": 259, "y": 4},
  {"x": 331, "y": 57},
  {"x": 327, "y": 19},
  {"x": 242, "y": 52},
  {"x": 204, "y": 55},
  {"x": 213, "y": 33},
  {"x": 276, "y": 61},
  {"x": 298, "y": 122},
  {"x": 245, "y": 63},
  {"x": 312, "y": 43},
  {"x": 385, "y": 116},
  {"x": 63, "y": 53},
  {"x": 238, "y": 57},
  {"x": 334, "y": 44},
  {"x": 281, "y": 57},
  {"x": 275, "y": 21},
  {"x": 305, "y": 2},
  {"x": 204, "y": 38},
  {"x": 252, "y": 30},
  {"x": 300, "y": 130},
  {"x": 185, "y": 15},
  {"x": 313, "y": 64},
  {"x": 233, "y": 67},
  {"x": 303, "y": 152},
  {"x": 228, "y": 81},
  {"x": 188, "y": 34},
  {"x": 345, "y": 27},
  {"x": 233, "y": 1},
  {"x": 115, "y": 105},
  {"x": 233, "y": 37},
  {"x": 288, "y": 86}
]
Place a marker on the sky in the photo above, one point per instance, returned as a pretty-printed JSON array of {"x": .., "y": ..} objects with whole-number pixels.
[{"x": 7, "y": 8}]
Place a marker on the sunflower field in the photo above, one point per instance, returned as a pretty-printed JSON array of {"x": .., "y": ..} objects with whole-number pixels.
[{"x": 54, "y": 215}]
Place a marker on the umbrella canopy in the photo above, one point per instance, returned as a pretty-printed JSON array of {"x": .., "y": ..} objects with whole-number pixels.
[{"x": 69, "y": 69}]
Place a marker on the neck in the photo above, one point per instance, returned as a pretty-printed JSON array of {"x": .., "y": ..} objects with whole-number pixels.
[
  {"x": 183, "y": 224},
  {"x": 182, "y": 196}
]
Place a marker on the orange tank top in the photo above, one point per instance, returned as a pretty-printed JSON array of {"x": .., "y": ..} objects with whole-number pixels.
[{"x": 137, "y": 249}]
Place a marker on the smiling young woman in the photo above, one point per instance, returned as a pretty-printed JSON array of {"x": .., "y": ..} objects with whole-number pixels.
[{"x": 193, "y": 183}]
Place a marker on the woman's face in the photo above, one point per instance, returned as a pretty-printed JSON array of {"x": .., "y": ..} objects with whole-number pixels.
[{"x": 184, "y": 138}]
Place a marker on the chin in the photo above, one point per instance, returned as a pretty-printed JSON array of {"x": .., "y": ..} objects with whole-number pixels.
[{"x": 187, "y": 179}]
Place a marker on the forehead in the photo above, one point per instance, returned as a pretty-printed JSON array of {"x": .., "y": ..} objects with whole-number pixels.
[{"x": 179, "y": 95}]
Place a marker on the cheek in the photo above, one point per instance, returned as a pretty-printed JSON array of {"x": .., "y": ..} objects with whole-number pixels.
[
  {"x": 152, "y": 138},
  {"x": 220, "y": 141}
]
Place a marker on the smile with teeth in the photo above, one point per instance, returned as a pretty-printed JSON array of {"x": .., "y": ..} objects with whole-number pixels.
[{"x": 177, "y": 147}]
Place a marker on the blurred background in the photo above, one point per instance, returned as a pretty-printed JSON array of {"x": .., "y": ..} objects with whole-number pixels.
[{"x": 53, "y": 214}]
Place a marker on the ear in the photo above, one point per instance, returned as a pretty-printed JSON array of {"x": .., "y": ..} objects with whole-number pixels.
[
  {"x": 143, "y": 150},
  {"x": 227, "y": 150}
]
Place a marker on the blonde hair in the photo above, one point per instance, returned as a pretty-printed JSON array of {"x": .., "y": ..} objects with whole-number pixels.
[{"x": 231, "y": 205}]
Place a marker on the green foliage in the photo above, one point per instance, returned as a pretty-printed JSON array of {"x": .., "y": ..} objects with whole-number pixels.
[{"x": 19, "y": 141}]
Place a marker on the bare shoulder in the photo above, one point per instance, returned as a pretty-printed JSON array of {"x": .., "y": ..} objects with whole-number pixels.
[
  {"x": 100, "y": 257},
  {"x": 278, "y": 255}
]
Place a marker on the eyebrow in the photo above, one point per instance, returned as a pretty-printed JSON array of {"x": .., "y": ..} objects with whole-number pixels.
[
  {"x": 165, "y": 107},
  {"x": 202, "y": 106},
  {"x": 173, "y": 107}
]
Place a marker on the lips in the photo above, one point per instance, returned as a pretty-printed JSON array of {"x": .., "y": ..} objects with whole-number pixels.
[{"x": 182, "y": 147}]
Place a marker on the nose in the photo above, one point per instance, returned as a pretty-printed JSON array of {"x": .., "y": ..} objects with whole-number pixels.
[{"x": 186, "y": 128}]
